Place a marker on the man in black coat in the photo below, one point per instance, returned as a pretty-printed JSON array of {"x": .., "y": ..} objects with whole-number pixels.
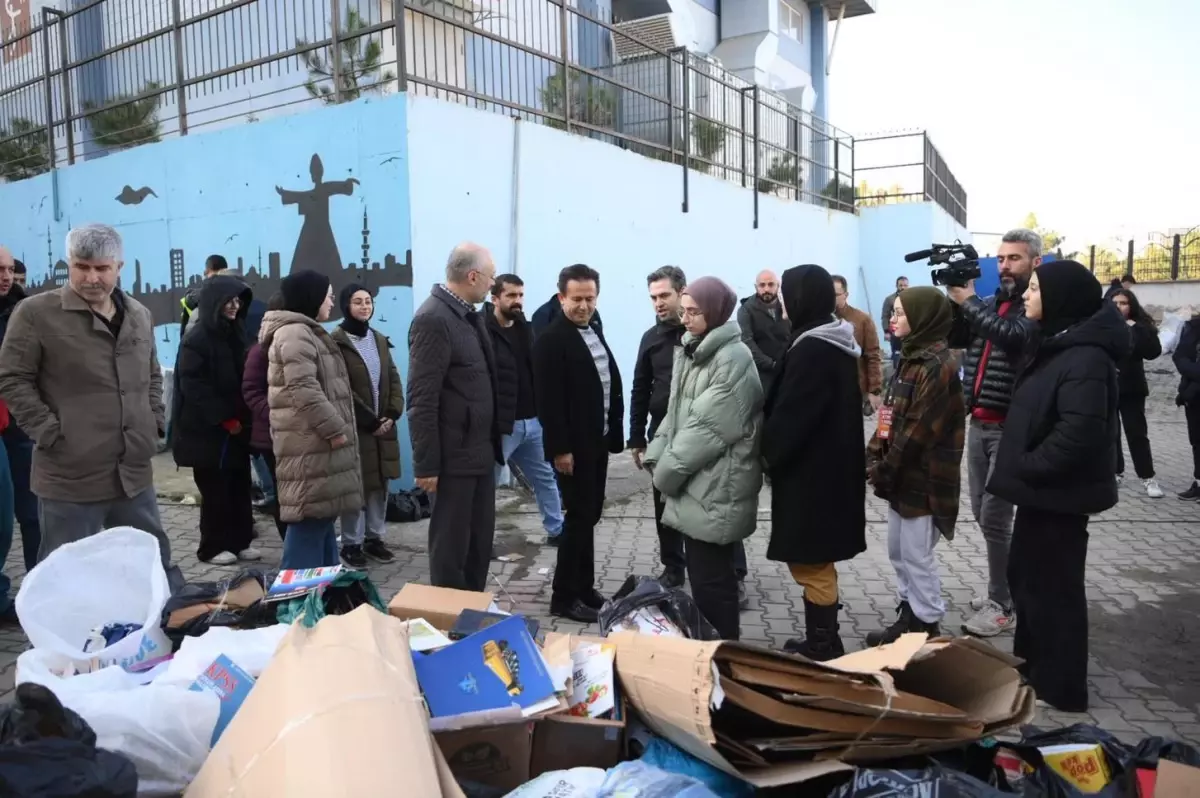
[
  {"x": 764, "y": 328},
  {"x": 995, "y": 333},
  {"x": 452, "y": 419},
  {"x": 812, "y": 442},
  {"x": 516, "y": 408},
  {"x": 581, "y": 409},
  {"x": 550, "y": 310},
  {"x": 18, "y": 445}
]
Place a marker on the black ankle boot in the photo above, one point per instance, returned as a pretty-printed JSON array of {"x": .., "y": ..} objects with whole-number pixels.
[
  {"x": 904, "y": 620},
  {"x": 821, "y": 626}
]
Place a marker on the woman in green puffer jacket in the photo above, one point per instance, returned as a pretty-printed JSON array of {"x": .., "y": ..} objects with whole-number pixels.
[{"x": 705, "y": 455}]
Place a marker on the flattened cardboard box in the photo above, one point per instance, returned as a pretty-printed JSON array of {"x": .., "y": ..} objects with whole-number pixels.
[
  {"x": 440, "y": 606},
  {"x": 336, "y": 713},
  {"x": 910, "y": 697}
]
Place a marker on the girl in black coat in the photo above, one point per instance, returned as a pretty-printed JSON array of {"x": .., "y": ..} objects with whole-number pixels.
[
  {"x": 812, "y": 443},
  {"x": 211, "y": 422},
  {"x": 1187, "y": 361},
  {"x": 1131, "y": 382},
  {"x": 1055, "y": 463}
]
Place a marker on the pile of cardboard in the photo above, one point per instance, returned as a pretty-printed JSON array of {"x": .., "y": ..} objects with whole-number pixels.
[{"x": 775, "y": 719}]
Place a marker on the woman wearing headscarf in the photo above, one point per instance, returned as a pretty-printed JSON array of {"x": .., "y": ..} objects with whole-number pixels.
[
  {"x": 812, "y": 445},
  {"x": 1131, "y": 381},
  {"x": 312, "y": 422},
  {"x": 1055, "y": 463},
  {"x": 211, "y": 427},
  {"x": 705, "y": 456},
  {"x": 378, "y": 404},
  {"x": 254, "y": 391},
  {"x": 1187, "y": 361},
  {"x": 914, "y": 457}
]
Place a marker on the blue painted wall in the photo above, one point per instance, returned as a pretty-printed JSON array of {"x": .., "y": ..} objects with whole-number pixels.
[{"x": 221, "y": 193}]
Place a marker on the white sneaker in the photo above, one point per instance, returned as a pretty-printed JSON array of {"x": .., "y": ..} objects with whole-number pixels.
[
  {"x": 1152, "y": 488},
  {"x": 249, "y": 555},
  {"x": 990, "y": 620},
  {"x": 224, "y": 558},
  {"x": 978, "y": 602}
]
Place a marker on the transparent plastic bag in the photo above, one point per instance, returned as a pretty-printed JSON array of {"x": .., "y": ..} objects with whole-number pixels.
[
  {"x": 113, "y": 577},
  {"x": 639, "y": 780},
  {"x": 641, "y": 593}
]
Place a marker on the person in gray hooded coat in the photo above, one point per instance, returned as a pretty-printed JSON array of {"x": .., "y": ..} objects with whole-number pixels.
[
  {"x": 813, "y": 447},
  {"x": 705, "y": 456}
]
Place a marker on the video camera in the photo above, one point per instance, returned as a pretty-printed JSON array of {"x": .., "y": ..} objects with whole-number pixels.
[{"x": 961, "y": 263}]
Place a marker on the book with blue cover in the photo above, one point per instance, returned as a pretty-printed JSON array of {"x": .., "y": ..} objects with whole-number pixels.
[
  {"x": 230, "y": 683},
  {"x": 492, "y": 669}
]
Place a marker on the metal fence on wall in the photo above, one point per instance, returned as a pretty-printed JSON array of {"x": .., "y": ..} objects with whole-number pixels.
[
  {"x": 906, "y": 167},
  {"x": 113, "y": 74},
  {"x": 1165, "y": 257}
]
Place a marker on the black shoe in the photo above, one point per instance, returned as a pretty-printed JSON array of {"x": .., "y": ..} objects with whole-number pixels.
[
  {"x": 743, "y": 599},
  {"x": 9, "y": 616},
  {"x": 904, "y": 619},
  {"x": 575, "y": 611},
  {"x": 595, "y": 600},
  {"x": 554, "y": 540},
  {"x": 671, "y": 578},
  {"x": 376, "y": 549},
  {"x": 353, "y": 556},
  {"x": 1192, "y": 494},
  {"x": 822, "y": 642}
]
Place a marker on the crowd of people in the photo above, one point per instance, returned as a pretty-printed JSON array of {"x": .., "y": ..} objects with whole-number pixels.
[{"x": 1032, "y": 386}]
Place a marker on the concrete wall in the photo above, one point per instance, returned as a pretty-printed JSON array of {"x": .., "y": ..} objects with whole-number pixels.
[
  {"x": 888, "y": 233},
  {"x": 1171, "y": 297},
  {"x": 542, "y": 199},
  {"x": 244, "y": 192}
]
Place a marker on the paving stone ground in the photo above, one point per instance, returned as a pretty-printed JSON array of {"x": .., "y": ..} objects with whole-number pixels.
[{"x": 1143, "y": 571}]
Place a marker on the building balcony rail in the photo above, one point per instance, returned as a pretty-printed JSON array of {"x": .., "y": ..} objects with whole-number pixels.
[
  {"x": 906, "y": 167},
  {"x": 112, "y": 74}
]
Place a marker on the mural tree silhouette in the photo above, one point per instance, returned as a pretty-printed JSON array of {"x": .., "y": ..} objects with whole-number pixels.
[
  {"x": 127, "y": 122},
  {"x": 354, "y": 62},
  {"x": 23, "y": 150}
]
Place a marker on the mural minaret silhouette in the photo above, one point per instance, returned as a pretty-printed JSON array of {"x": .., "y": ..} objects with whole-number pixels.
[
  {"x": 316, "y": 248},
  {"x": 366, "y": 261}
]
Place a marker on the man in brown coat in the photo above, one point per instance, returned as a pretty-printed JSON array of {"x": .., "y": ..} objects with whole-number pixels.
[
  {"x": 79, "y": 371},
  {"x": 870, "y": 365}
]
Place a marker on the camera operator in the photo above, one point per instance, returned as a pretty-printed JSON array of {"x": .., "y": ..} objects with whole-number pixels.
[{"x": 994, "y": 331}]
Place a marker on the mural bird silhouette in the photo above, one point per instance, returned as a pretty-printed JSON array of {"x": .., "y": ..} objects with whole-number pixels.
[
  {"x": 130, "y": 197},
  {"x": 316, "y": 248}
]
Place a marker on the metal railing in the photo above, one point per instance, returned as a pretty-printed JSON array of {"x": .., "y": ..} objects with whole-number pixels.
[
  {"x": 112, "y": 74},
  {"x": 1164, "y": 258},
  {"x": 906, "y": 167}
]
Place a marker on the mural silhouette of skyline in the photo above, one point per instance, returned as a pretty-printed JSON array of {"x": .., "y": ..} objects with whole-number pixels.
[{"x": 316, "y": 248}]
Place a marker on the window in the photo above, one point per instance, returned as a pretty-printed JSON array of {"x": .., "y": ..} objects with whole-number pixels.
[{"x": 791, "y": 21}]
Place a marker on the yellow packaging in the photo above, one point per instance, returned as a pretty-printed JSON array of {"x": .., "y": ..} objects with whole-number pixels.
[{"x": 1081, "y": 764}]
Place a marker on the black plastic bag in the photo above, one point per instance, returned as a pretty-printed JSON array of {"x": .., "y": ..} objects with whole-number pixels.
[
  {"x": 1150, "y": 751},
  {"x": 1044, "y": 781},
  {"x": 424, "y": 502},
  {"x": 933, "y": 780},
  {"x": 639, "y": 592},
  {"x": 48, "y": 751},
  {"x": 402, "y": 508}
]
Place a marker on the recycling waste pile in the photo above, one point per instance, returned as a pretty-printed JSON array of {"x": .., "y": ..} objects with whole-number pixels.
[{"x": 304, "y": 683}]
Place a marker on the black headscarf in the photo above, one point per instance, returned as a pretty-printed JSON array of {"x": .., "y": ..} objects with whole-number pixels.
[
  {"x": 1070, "y": 294},
  {"x": 808, "y": 297},
  {"x": 304, "y": 292},
  {"x": 350, "y": 324}
]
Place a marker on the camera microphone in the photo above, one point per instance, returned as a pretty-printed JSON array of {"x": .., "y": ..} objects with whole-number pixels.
[{"x": 916, "y": 256}]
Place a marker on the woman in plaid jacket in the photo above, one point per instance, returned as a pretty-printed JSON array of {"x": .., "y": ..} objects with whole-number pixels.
[{"x": 914, "y": 457}]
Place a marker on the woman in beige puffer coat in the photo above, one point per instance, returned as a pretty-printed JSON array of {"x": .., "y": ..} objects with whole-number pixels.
[{"x": 312, "y": 422}]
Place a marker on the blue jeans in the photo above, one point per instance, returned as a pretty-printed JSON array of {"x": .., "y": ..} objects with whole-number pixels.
[
  {"x": 311, "y": 543},
  {"x": 7, "y": 513},
  {"x": 20, "y": 461},
  {"x": 263, "y": 472},
  {"x": 524, "y": 448}
]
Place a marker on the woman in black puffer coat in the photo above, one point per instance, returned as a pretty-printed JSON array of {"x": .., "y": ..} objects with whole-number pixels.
[
  {"x": 1131, "y": 382},
  {"x": 1187, "y": 361},
  {"x": 1056, "y": 464}
]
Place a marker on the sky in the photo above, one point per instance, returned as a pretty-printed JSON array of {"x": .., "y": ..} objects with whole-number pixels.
[{"x": 1081, "y": 111}]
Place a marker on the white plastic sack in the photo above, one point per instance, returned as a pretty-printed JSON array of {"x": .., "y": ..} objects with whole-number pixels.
[
  {"x": 573, "y": 783},
  {"x": 113, "y": 577},
  {"x": 1168, "y": 332},
  {"x": 249, "y": 649}
]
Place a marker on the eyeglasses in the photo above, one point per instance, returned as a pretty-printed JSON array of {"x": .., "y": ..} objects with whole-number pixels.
[{"x": 691, "y": 312}]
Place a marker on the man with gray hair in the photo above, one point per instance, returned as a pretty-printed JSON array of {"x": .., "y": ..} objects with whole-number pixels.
[
  {"x": 995, "y": 332},
  {"x": 452, "y": 419},
  {"x": 79, "y": 371}
]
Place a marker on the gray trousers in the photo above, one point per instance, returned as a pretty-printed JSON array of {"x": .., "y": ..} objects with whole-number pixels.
[
  {"x": 910, "y": 548},
  {"x": 994, "y": 515},
  {"x": 461, "y": 530},
  {"x": 66, "y": 522},
  {"x": 369, "y": 522}
]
